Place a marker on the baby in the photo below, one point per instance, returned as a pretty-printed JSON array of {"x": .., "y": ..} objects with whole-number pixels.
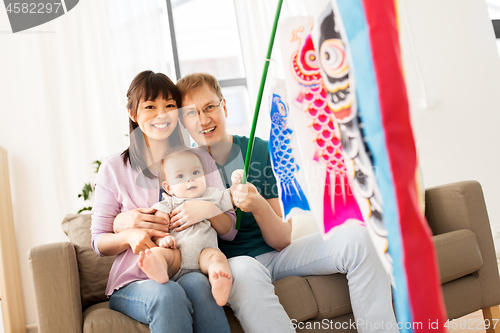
[{"x": 194, "y": 248}]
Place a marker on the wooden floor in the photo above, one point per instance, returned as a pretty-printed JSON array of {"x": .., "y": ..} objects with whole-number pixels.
[{"x": 472, "y": 323}]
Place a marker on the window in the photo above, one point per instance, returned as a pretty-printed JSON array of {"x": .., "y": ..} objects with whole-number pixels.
[{"x": 205, "y": 38}]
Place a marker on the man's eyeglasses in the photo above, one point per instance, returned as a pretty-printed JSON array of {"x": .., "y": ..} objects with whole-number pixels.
[{"x": 193, "y": 113}]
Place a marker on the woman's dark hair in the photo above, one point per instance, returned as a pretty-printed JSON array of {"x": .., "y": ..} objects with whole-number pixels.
[{"x": 148, "y": 86}]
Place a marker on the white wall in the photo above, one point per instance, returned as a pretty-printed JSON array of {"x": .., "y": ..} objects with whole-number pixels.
[
  {"x": 42, "y": 193},
  {"x": 452, "y": 65}
]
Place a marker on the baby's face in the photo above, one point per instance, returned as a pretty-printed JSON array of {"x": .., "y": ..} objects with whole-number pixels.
[{"x": 184, "y": 176}]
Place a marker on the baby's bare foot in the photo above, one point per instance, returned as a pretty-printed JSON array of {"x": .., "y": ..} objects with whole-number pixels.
[
  {"x": 221, "y": 286},
  {"x": 152, "y": 267}
]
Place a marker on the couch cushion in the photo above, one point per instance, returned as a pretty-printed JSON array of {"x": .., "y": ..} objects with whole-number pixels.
[
  {"x": 462, "y": 296},
  {"x": 458, "y": 254},
  {"x": 94, "y": 270},
  {"x": 296, "y": 297},
  {"x": 332, "y": 295},
  {"x": 99, "y": 318}
]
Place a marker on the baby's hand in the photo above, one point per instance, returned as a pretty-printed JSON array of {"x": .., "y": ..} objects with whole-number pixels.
[
  {"x": 168, "y": 242},
  {"x": 237, "y": 177}
]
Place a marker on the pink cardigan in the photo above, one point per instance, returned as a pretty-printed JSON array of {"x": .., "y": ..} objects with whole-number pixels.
[{"x": 120, "y": 188}]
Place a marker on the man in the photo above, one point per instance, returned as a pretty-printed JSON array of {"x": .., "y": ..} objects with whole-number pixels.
[{"x": 262, "y": 251}]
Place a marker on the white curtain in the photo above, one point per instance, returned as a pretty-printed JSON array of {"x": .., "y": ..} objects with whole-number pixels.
[
  {"x": 493, "y": 9},
  {"x": 62, "y": 88}
]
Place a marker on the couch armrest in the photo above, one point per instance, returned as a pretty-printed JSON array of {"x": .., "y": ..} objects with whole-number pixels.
[
  {"x": 461, "y": 206},
  {"x": 57, "y": 287},
  {"x": 456, "y": 206}
]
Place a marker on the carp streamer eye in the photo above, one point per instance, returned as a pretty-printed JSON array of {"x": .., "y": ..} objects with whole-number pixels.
[
  {"x": 282, "y": 109},
  {"x": 333, "y": 58},
  {"x": 311, "y": 59}
]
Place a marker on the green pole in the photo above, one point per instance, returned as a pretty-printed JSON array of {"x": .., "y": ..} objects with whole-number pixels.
[{"x": 257, "y": 105}]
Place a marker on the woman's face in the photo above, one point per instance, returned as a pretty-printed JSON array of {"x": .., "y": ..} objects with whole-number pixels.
[
  {"x": 157, "y": 119},
  {"x": 208, "y": 127}
]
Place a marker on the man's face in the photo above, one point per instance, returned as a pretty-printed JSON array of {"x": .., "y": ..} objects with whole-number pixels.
[{"x": 204, "y": 116}]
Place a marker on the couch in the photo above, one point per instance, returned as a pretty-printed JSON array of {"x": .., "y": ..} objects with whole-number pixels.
[{"x": 69, "y": 278}]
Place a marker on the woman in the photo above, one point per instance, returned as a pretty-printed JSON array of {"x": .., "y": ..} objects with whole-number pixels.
[{"x": 129, "y": 182}]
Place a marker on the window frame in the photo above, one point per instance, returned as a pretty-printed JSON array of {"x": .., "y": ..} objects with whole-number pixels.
[{"x": 223, "y": 83}]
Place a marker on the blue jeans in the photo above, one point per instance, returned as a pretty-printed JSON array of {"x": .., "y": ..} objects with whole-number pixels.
[
  {"x": 181, "y": 306},
  {"x": 349, "y": 250}
]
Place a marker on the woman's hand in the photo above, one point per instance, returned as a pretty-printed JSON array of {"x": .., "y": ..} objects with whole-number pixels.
[
  {"x": 140, "y": 239},
  {"x": 192, "y": 212},
  {"x": 142, "y": 218},
  {"x": 247, "y": 198}
]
